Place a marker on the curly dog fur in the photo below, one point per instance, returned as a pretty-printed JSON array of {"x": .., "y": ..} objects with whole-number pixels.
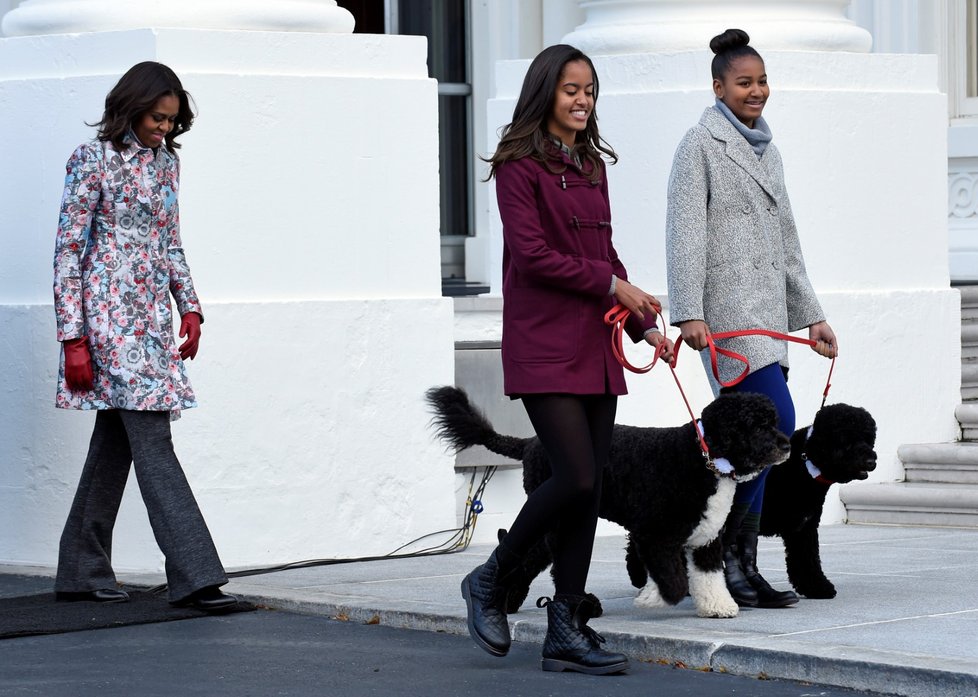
[
  {"x": 839, "y": 445},
  {"x": 656, "y": 485}
]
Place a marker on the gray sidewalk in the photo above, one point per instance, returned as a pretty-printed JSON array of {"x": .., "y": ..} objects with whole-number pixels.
[{"x": 905, "y": 620}]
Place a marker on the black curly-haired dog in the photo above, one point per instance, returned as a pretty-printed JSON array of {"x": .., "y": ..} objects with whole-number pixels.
[
  {"x": 657, "y": 484},
  {"x": 837, "y": 448}
]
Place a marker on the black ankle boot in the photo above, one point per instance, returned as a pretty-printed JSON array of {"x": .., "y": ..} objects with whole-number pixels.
[
  {"x": 740, "y": 589},
  {"x": 766, "y": 596},
  {"x": 484, "y": 590},
  {"x": 572, "y": 645}
]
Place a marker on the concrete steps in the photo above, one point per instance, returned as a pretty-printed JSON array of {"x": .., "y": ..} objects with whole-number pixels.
[
  {"x": 969, "y": 343},
  {"x": 941, "y": 486},
  {"x": 909, "y": 503},
  {"x": 940, "y": 463},
  {"x": 967, "y": 416}
]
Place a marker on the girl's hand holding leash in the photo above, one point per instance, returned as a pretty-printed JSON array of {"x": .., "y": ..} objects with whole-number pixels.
[
  {"x": 668, "y": 353},
  {"x": 825, "y": 342},
  {"x": 695, "y": 333},
  {"x": 636, "y": 300}
]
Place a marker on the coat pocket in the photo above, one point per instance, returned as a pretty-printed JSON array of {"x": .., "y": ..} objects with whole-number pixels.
[{"x": 542, "y": 325}]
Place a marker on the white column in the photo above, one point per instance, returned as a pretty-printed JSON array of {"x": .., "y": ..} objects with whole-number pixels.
[
  {"x": 36, "y": 17},
  {"x": 313, "y": 242},
  {"x": 646, "y": 26}
]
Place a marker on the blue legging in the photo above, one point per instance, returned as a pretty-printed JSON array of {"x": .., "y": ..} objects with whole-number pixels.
[{"x": 772, "y": 382}]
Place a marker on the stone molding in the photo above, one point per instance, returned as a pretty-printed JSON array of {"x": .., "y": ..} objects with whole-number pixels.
[
  {"x": 962, "y": 198},
  {"x": 39, "y": 17},
  {"x": 644, "y": 26}
]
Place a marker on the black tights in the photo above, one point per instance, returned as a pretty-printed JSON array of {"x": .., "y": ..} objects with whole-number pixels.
[{"x": 575, "y": 431}]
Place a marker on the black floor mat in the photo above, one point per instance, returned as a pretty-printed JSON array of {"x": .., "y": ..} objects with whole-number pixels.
[{"x": 29, "y": 615}]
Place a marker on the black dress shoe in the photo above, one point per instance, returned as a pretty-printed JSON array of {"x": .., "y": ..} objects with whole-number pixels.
[
  {"x": 102, "y": 595},
  {"x": 209, "y": 599}
]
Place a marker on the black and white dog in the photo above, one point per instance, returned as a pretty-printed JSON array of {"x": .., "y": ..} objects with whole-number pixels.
[
  {"x": 657, "y": 484},
  {"x": 837, "y": 447}
]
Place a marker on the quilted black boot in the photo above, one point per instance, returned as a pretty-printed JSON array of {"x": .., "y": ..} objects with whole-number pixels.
[
  {"x": 733, "y": 573},
  {"x": 484, "y": 590},
  {"x": 766, "y": 595},
  {"x": 570, "y": 644}
]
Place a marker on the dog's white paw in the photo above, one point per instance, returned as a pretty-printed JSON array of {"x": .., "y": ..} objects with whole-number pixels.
[
  {"x": 649, "y": 596},
  {"x": 721, "y": 609},
  {"x": 711, "y": 596}
]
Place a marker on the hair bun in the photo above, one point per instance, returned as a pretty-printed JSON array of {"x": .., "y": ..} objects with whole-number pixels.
[{"x": 728, "y": 40}]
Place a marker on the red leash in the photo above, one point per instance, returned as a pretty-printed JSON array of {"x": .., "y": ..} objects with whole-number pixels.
[
  {"x": 714, "y": 350},
  {"x": 616, "y": 317}
]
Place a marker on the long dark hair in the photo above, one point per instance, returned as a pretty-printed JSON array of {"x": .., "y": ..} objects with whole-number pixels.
[
  {"x": 728, "y": 47},
  {"x": 135, "y": 94},
  {"x": 526, "y": 135}
]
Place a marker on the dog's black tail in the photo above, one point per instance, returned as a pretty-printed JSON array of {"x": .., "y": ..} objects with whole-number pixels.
[{"x": 461, "y": 425}]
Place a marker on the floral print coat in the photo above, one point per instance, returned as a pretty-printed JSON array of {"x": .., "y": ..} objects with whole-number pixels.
[{"x": 117, "y": 258}]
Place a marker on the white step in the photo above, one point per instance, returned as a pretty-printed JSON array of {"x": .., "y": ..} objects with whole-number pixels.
[
  {"x": 940, "y": 463},
  {"x": 969, "y": 329},
  {"x": 967, "y": 416},
  {"x": 912, "y": 504}
]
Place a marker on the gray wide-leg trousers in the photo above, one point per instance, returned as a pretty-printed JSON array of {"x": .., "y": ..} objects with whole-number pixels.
[{"x": 142, "y": 439}]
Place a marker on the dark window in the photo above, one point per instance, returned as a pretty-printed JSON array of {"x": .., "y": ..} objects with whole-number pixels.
[{"x": 369, "y": 15}]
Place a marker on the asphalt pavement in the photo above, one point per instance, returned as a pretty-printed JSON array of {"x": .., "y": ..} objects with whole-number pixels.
[
  {"x": 270, "y": 652},
  {"x": 905, "y": 622}
]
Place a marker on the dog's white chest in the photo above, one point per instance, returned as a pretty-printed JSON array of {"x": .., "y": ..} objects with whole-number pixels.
[{"x": 715, "y": 515}]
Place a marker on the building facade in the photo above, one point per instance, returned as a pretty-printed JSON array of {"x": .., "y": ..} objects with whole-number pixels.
[{"x": 873, "y": 108}]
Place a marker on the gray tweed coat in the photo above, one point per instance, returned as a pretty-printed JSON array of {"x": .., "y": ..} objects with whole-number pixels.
[{"x": 732, "y": 249}]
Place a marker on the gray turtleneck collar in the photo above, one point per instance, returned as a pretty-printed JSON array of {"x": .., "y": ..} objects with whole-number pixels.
[{"x": 758, "y": 137}]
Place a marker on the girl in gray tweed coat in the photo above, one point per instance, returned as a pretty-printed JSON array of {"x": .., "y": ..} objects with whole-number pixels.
[{"x": 734, "y": 262}]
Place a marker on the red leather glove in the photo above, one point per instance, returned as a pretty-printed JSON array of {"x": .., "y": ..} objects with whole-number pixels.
[
  {"x": 190, "y": 328},
  {"x": 78, "y": 365}
]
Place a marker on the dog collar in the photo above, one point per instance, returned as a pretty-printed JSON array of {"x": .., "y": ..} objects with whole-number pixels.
[
  {"x": 720, "y": 466},
  {"x": 816, "y": 473},
  {"x": 810, "y": 466}
]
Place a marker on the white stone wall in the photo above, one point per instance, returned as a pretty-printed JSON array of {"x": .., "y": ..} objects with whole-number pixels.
[{"x": 309, "y": 208}]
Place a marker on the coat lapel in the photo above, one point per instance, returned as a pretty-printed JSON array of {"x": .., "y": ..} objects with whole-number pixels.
[{"x": 737, "y": 147}]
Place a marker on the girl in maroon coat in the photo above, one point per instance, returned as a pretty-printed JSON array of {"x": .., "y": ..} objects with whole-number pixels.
[{"x": 560, "y": 275}]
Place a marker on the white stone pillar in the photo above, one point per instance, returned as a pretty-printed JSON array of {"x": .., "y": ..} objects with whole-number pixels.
[
  {"x": 36, "y": 17},
  {"x": 309, "y": 212},
  {"x": 643, "y": 26}
]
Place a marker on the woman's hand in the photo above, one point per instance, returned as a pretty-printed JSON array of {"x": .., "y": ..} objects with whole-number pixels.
[
  {"x": 825, "y": 342},
  {"x": 657, "y": 339},
  {"x": 190, "y": 328},
  {"x": 694, "y": 333},
  {"x": 636, "y": 300},
  {"x": 78, "y": 365}
]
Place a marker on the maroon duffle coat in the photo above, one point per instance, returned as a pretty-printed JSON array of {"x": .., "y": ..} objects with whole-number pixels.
[{"x": 558, "y": 260}]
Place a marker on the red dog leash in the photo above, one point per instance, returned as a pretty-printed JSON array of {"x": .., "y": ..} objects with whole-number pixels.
[{"x": 616, "y": 317}]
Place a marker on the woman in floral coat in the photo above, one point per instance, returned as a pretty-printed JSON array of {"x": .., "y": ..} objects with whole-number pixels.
[{"x": 118, "y": 258}]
